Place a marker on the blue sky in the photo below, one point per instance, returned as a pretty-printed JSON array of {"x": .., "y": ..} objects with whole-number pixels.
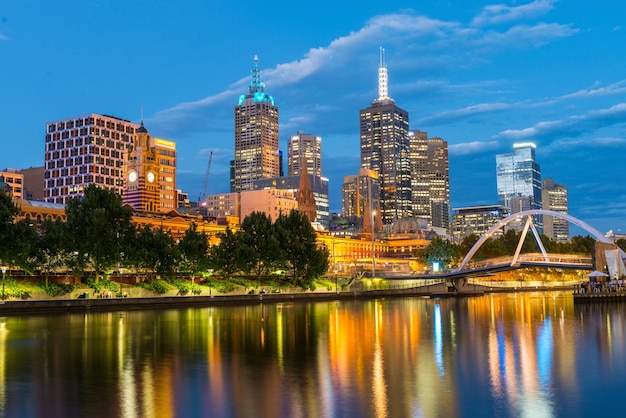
[{"x": 481, "y": 75}]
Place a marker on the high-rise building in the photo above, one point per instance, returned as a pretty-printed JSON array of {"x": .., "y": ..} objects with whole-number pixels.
[
  {"x": 554, "y": 197},
  {"x": 150, "y": 173},
  {"x": 84, "y": 150},
  {"x": 430, "y": 179},
  {"x": 385, "y": 148},
  {"x": 304, "y": 147},
  {"x": 357, "y": 193},
  {"x": 518, "y": 178},
  {"x": 256, "y": 136}
]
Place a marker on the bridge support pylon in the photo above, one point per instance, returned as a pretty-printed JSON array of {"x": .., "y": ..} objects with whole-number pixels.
[{"x": 458, "y": 284}]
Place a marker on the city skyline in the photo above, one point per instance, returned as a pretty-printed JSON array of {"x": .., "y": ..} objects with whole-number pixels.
[{"x": 480, "y": 76}]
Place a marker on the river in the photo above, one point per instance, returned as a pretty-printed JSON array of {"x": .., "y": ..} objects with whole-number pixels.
[{"x": 531, "y": 354}]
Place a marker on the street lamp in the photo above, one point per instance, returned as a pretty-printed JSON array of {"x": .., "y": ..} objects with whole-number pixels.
[
  {"x": 373, "y": 259},
  {"x": 4, "y": 270}
]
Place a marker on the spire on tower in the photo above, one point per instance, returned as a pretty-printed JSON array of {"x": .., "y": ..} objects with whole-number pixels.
[
  {"x": 383, "y": 93},
  {"x": 255, "y": 83}
]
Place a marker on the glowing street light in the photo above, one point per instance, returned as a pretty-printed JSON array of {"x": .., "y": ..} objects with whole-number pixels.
[{"x": 4, "y": 270}]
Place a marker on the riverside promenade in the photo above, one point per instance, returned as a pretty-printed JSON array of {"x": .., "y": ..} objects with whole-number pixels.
[{"x": 89, "y": 302}]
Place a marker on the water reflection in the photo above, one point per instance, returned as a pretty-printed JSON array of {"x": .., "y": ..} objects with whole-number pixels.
[{"x": 526, "y": 354}]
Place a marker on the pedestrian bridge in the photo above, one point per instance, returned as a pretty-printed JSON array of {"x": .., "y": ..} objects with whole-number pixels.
[{"x": 469, "y": 267}]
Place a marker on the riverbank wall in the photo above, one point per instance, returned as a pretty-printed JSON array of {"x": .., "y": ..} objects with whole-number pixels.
[{"x": 90, "y": 304}]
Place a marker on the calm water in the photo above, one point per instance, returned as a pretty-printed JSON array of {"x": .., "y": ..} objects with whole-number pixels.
[{"x": 504, "y": 355}]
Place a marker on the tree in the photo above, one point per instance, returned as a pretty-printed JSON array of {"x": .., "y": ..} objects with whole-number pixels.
[
  {"x": 193, "y": 249},
  {"x": 441, "y": 251},
  {"x": 8, "y": 212},
  {"x": 98, "y": 227},
  {"x": 226, "y": 256},
  {"x": 52, "y": 251},
  {"x": 260, "y": 252},
  {"x": 154, "y": 252},
  {"x": 299, "y": 252}
]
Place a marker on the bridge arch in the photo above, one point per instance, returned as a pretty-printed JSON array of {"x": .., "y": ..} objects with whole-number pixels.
[{"x": 529, "y": 213}]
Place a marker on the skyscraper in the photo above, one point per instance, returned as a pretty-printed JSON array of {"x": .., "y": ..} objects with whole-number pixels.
[
  {"x": 518, "y": 179},
  {"x": 554, "y": 197},
  {"x": 151, "y": 174},
  {"x": 304, "y": 147},
  {"x": 430, "y": 179},
  {"x": 84, "y": 150},
  {"x": 385, "y": 148},
  {"x": 358, "y": 191},
  {"x": 256, "y": 136}
]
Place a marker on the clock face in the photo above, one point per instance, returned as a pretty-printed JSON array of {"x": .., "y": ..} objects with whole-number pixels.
[
  {"x": 150, "y": 176},
  {"x": 132, "y": 176}
]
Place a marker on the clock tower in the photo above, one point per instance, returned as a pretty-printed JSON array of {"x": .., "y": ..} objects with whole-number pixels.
[{"x": 150, "y": 173}]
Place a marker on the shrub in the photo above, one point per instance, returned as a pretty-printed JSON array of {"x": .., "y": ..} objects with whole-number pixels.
[
  {"x": 156, "y": 286},
  {"x": 55, "y": 289},
  {"x": 13, "y": 288}
]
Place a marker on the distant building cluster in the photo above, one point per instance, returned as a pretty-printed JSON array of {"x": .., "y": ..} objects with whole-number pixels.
[{"x": 401, "y": 187}]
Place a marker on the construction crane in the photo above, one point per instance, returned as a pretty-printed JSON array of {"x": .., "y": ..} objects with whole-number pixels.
[{"x": 206, "y": 181}]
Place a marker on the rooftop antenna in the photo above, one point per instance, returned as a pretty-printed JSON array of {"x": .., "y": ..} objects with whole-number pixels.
[
  {"x": 256, "y": 85},
  {"x": 383, "y": 92}
]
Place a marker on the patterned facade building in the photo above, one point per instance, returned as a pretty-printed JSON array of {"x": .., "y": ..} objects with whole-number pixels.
[
  {"x": 256, "y": 136},
  {"x": 84, "y": 150}
]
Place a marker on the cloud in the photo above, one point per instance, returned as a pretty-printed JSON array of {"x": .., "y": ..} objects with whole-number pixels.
[
  {"x": 573, "y": 126},
  {"x": 501, "y": 13},
  {"x": 474, "y": 147},
  {"x": 4, "y": 37},
  {"x": 464, "y": 113},
  {"x": 524, "y": 35},
  {"x": 338, "y": 68},
  {"x": 612, "y": 89}
]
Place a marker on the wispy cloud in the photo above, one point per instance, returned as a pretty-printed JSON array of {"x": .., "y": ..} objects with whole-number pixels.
[
  {"x": 476, "y": 147},
  {"x": 612, "y": 89},
  {"x": 464, "y": 113},
  {"x": 573, "y": 126},
  {"x": 500, "y": 13},
  {"x": 4, "y": 37},
  {"x": 338, "y": 68}
]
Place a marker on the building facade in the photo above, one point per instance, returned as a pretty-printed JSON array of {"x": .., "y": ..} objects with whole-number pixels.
[
  {"x": 272, "y": 202},
  {"x": 14, "y": 182},
  {"x": 430, "y": 179},
  {"x": 385, "y": 149},
  {"x": 554, "y": 197},
  {"x": 256, "y": 136},
  {"x": 476, "y": 220},
  {"x": 33, "y": 182},
  {"x": 223, "y": 206},
  {"x": 358, "y": 191},
  {"x": 150, "y": 174},
  {"x": 304, "y": 148},
  {"x": 319, "y": 187},
  {"x": 518, "y": 178},
  {"x": 84, "y": 150}
]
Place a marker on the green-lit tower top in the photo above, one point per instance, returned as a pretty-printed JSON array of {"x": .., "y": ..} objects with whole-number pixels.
[{"x": 256, "y": 89}]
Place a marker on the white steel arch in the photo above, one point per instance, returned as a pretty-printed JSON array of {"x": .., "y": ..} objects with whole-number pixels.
[{"x": 529, "y": 213}]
